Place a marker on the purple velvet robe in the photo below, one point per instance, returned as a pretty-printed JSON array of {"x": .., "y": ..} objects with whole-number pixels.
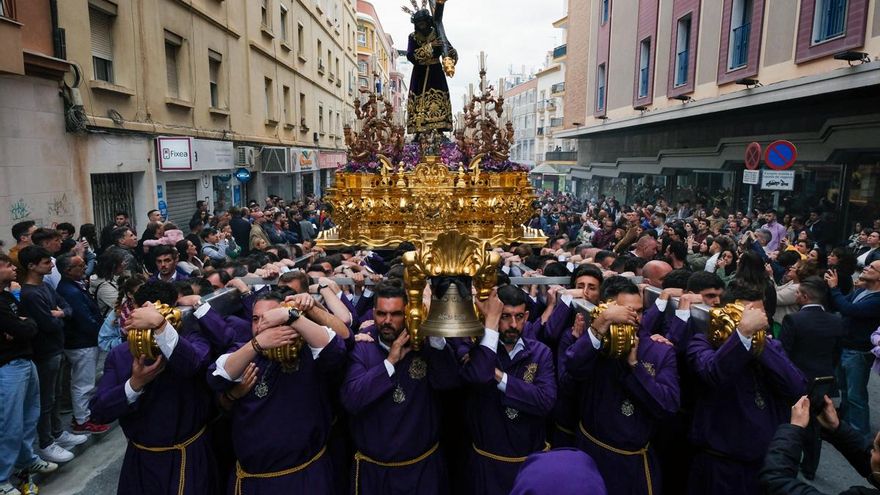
[
  {"x": 510, "y": 423},
  {"x": 172, "y": 409},
  {"x": 621, "y": 407},
  {"x": 565, "y": 411},
  {"x": 396, "y": 418},
  {"x": 559, "y": 472},
  {"x": 740, "y": 402},
  {"x": 287, "y": 427}
]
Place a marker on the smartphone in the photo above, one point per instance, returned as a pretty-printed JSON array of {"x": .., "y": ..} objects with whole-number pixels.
[{"x": 819, "y": 388}]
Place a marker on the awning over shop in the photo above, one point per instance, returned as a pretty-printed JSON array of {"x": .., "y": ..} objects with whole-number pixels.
[{"x": 545, "y": 169}]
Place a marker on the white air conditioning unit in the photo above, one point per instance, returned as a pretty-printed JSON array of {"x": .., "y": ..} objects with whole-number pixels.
[{"x": 246, "y": 156}]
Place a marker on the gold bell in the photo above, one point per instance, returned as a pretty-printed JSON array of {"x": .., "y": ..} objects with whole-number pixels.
[
  {"x": 287, "y": 355},
  {"x": 452, "y": 316}
]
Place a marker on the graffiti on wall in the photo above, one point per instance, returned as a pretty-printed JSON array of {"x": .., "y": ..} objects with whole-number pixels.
[
  {"x": 19, "y": 210},
  {"x": 59, "y": 207}
]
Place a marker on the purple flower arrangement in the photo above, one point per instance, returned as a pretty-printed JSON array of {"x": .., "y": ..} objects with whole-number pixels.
[{"x": 450, "y": 154}]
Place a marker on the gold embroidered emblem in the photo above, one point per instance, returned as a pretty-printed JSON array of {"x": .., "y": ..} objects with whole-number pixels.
[
  {"x": 428, "y": 111},
  {"x": 529, "y": 375},
  {"x": 627, "y": 408},
  {"x": 398, "y": 396},
  {"x": 511, "y": 413},
  {"x": 418, "y": 369},
  {"x": 649, "y": 368}
]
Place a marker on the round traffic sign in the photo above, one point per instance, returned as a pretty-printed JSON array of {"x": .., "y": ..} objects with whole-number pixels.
[
  {"x": 753, "y": 156},
  {"x": 780, "y": 155}
]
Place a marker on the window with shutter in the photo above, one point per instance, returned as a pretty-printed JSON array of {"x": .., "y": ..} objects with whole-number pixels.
[
  {"x": 101, "y": 25},
  {"x": 171, "y": 69}
]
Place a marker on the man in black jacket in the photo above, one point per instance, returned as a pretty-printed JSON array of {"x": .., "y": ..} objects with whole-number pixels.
[
  {"x": 779, "y": 474},
  {"x": 49, "y": 310},
  {"x": 241, "y": 230},
  {"x": 811, "y": 338},
  {"x": 20, "y": 396}
]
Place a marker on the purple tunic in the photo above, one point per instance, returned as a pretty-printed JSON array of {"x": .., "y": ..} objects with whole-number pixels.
[
  {"x": 565, "y": 411},
  {"x": 289, "y": 426},
  {"x": 740, "y": 402},
  {"x": 621, "y": 407},
  {"x": 395, "y": 418},
  {"x": 172, "y": 409},
  {"x": 510, "y": 423},
  {"x": 559, "y": 472}
]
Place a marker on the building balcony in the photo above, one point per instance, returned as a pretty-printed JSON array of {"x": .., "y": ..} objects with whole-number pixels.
[
  {"x": 540, "y": 107},
  {"x": 551, "y": 106},
  {"x": 556, "y": 122},
  {"x": 561, "y": 156},
  {"x": 557, "y": 89},
  {"x": 559, "y": 52}
]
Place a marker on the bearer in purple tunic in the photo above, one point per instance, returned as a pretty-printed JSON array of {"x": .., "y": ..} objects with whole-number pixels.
[
  {"x": 389, "y": 393},
  {"x": 622, "y": 400},
  {"x": 162, "y": 406},
  {"x": 742, "y": 397},
  {"x": 280, "y": 427},
  {"x": 513, "y": 391}
]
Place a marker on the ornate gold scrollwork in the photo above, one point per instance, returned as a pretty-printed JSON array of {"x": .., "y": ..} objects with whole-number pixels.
[
  {"x": 620, "y": 338},
  {"x": 723, "y": 322},
  {"x": 142, "y": 343}
]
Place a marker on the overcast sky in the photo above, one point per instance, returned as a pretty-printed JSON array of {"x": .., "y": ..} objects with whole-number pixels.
[{"x": 511, "y": 32}]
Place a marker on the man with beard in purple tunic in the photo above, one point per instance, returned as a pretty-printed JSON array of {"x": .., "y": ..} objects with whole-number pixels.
[
  {"x": 280, "y": 427},
  {"x": 162, "y": 406},
  {"x": 622, "y": 400},
  {"x": 513, "y": 390},
  {"x": 389, "y": 393},
  {"x": 742, "y": 396}
]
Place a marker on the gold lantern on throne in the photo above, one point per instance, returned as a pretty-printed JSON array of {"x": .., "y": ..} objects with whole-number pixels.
[
  {"x": 455, "y": 203},
  {"x": 142, "y": 342}
]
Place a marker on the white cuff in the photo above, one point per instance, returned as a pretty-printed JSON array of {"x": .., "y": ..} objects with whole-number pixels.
[
  {"x": 221, "y": 368},
  {"x": 661, "y": 304},
  {"x": 438, "y": 343},
  {"x": 502, "y": 385},
  {"x": 167, "y": 340},
  {"x": 389, "y": 367},
  {"x": 339, "y": 295},
  {"x": 367, "y": 293},
  {"x": 566, "y": 299},
  {"x": 596, "y": 342},
  {"x": 490, "y": 340},
  {"x": 203, "y": 310},
  {"x": 317, "y": 350},
  {"x": 570, "y": 266},
  {"x": 746, "y": 341},
  {"x": 259, "y": 287},
  {"x": 683, "y": 314},
  {"x": 130, "y": 394},
  {"x": 284, "y": 269},
  {"x": 534, "y": 298},
  {"x": 505, "y": 269}
]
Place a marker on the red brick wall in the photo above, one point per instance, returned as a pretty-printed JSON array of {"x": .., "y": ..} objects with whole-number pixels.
[
  {"x": 751, "y": 67},
  {"x": 854, "y": 36},
  {"x": 575, "y": 99},
  {"x": 680, "y": 9},
  {"x": 648, "y": 12},
  {"x": 603, "y": 49}
]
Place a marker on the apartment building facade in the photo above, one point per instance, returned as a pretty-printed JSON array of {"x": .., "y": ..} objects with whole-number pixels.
[
  {"x": 667, "y": 96},
  {"x": 208, "y": 100},
  {"x": 38, "y": 179}
]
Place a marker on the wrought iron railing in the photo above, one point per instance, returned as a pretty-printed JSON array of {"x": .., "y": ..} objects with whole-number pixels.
[
  {"x": 740, "y": 54},
  {"x": 681, "y": 68}
]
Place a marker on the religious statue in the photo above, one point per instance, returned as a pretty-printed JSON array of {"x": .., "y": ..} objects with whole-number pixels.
[{"x": 433, "y": 58}]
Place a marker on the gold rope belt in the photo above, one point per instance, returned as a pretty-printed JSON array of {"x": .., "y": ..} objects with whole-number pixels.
[
  {"x": 241, "y": 474},
  {"x": 360, "y": 456},
  {"x": 501, "y": 458},
  {"x": 564, "y": 429},
  {"x": 182, "y": 448},
  {"x": 641, "y": 452}
]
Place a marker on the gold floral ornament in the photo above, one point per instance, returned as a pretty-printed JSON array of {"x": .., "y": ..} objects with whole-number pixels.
[
  {"x": 723, "y": 322},
  {"x": 142, "y": 342}
]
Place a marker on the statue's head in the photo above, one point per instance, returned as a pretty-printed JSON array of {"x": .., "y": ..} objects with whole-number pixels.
[{"x": 422, "y": 21}]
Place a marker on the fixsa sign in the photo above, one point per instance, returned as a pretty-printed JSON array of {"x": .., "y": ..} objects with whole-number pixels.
[{"x": 174, "y": 153}]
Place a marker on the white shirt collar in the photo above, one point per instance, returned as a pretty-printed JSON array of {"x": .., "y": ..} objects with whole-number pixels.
[
  {"x": 805, "y": 306},
  {"x": 519, "y": 346}
]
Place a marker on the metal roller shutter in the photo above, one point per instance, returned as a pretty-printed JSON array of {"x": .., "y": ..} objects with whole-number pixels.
[
  {"x": 101, "y": 26},
  {"x": 182, "y": 199}
]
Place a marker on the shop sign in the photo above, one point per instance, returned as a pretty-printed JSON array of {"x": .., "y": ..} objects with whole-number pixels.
[
  {"x": 331, "y": 161},
  {"x": 163, "y": 208},
  {"x": 243, "y": 175},
  {"x": 751, "y": 177},
  {"x": 175, "y": 153},
  {"x": 304, "y": 159},
  {"x": 213, "y": 155},
  {"x": 777, "y": 180}
]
